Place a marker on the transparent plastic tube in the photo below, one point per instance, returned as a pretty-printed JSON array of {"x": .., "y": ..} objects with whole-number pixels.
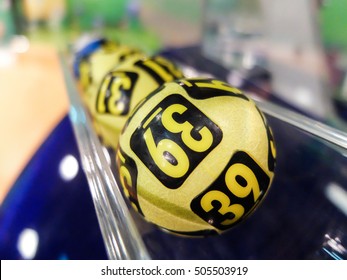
[
  {"x": 121, "y": 237},
  {"x": 316, "y": 128}
]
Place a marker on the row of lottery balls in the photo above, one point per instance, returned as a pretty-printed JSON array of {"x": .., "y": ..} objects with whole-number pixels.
[{"x": 194, "y": 156}]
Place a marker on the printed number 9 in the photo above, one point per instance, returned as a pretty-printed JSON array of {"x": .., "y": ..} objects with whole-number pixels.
[
  {"x": 165, "y": 149},
  {"x": 241, "y": 181},
  {"x": 186, "y": 128}
]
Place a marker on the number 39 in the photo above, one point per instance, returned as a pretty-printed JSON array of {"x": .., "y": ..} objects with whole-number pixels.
[{"x": 241, "y": 182}]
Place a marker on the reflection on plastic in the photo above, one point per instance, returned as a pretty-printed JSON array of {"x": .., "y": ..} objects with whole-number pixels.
[
  {"x": 304, "y": 123},
  {"x": 334, "y": 248},
  {"x": 122, "y": 240},
  {"x": 335, "y": 243},
  {"x": 20, "y": 44},
  {"x": 337, "y": 196},
  {"x": 107, "y": 155},
  {"x": 68, "y": 168},
  {"x": 28, "y": 242}
]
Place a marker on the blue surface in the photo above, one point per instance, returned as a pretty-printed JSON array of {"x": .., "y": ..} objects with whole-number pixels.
[
  {"x": 60, "y": 211},
  {"x": 296, "y": 220}
]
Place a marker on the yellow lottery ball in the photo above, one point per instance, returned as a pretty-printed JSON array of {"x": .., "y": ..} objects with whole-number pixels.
[
  {"x": 196, "y": 157},
  {"x": 122, "y": 88},
  {"x": 94, "y": 67}
]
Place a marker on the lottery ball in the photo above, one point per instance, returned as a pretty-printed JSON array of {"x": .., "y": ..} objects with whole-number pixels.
[
  {"x": 84, "y": 47},
  {"x": 196, "y": 157},
  {"x": 94, "y": 67},
  {"x": 122, "y": 88}
]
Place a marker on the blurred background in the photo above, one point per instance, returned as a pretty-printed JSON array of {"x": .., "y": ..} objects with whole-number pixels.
[{"x": 290, "y": 52}]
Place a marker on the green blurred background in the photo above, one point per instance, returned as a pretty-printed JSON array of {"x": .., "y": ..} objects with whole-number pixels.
[{"x": 146, "y": 23}]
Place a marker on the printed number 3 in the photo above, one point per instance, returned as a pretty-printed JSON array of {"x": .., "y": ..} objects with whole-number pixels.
[
  {"x": 171, "y": 125},
  {"x": 240, "y": 181},
  {"x": 119, "y": 82},
  {"x": 167, "y": 154},
  {"x": 236, "y": 209}
]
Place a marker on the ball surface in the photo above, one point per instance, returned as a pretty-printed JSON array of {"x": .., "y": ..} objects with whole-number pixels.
[
  {"x": 196, "y": 157},
  {"x": 94, "y": 67},
  {"x": 84, "y": 47},
  {"x": 122, "y": 88}
]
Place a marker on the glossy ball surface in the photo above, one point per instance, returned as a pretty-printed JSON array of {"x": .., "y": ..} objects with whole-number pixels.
[
  {"x": 122, "y": 88},
  {"x": 94, "y": 67},
  {"x": 196, "y": 157},
  {"x": 84, "y": 47}
]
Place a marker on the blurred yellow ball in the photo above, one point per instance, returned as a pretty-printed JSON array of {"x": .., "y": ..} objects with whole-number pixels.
[
  {"x": 122, "y": 88},
  {"x": 94, "y": 67}
]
